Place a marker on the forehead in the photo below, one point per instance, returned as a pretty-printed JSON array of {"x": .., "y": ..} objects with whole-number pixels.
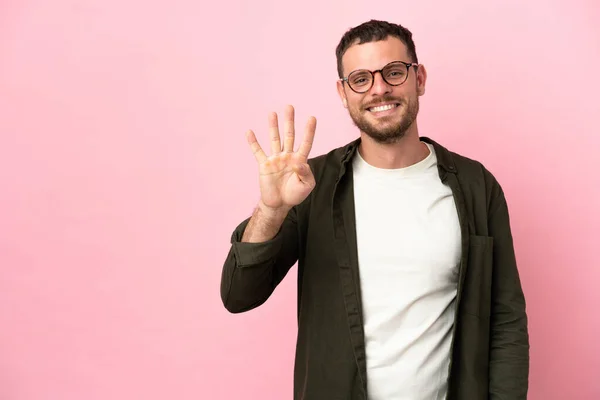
[{"x": 374, "y": 55}]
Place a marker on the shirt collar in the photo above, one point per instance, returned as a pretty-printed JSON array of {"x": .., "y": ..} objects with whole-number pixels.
[{"x": 444, "y": 157}]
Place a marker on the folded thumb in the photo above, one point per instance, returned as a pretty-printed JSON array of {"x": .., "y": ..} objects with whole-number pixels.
[{"x": 302, "y": 170}]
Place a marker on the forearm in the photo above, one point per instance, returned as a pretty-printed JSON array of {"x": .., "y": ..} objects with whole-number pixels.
[
  {"x": 252, "y": 270},
  {"x": 264, "y": 224},
  {"x": 244, "y": 287}
]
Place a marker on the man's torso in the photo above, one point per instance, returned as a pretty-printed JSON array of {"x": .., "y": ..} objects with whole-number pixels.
[{"x": 409, "y": 248}]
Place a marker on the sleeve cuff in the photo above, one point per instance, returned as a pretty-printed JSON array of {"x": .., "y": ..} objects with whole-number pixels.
[{"x": 253, "y": 254}]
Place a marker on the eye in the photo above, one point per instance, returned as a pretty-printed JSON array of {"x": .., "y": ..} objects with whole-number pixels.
[
  {"x": 360, "y": 79},
  {"x": 395, "y": 72}
]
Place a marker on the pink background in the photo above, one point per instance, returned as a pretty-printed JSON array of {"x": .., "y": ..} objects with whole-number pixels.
[{"x": 124, "y": 169}]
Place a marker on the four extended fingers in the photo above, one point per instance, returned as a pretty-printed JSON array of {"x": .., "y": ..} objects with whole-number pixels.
[{"x": 289, "y": 136}]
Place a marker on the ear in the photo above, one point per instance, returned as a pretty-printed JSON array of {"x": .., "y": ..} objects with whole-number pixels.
[
  {"x": 421, "y": 79},
  {"x": 342, "y": 93}
]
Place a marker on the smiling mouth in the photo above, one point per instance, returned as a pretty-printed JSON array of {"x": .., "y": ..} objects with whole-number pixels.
[{"x": 385, "y": 107}]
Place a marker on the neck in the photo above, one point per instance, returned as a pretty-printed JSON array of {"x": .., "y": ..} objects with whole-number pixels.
[{"x": 405, "y": 152}]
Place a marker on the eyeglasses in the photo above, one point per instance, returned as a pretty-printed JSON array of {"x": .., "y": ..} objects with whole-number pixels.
[{"x": 394, "y": 74}]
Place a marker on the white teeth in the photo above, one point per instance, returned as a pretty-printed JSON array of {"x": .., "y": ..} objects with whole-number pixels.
[{"x": 383, "y": 108}]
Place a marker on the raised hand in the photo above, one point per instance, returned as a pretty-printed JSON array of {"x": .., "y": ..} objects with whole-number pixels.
[{"x": 285, "y": 177}]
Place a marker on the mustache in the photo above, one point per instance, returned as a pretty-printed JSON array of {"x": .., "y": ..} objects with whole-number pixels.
[{"x": 385, "y": 99}]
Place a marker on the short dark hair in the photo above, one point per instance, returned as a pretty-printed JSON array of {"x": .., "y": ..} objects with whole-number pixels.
[{"x": 372, "y": 31}]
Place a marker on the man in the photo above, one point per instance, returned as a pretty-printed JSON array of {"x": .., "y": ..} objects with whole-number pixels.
[{"x": 407, "y": 281}]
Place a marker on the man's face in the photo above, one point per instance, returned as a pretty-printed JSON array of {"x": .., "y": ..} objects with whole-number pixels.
[{"x": 384, "y": 125}]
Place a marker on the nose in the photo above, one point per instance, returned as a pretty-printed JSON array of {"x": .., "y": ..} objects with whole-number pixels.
[{"x": 380, "y": 86}]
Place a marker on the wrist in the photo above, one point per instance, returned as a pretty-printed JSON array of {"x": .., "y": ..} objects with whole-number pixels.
[{"x": 271, "y": 213}]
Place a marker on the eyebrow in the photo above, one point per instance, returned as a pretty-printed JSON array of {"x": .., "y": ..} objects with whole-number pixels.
[{"x": 376, "y": 69}]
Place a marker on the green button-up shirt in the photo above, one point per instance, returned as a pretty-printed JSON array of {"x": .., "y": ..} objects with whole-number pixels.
[{"x": 490, "y": 346}]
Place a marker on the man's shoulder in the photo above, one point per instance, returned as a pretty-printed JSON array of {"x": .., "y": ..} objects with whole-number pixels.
[
  {"x": 472, "y": 169},
  {"x": 472, "y": 174},
  {"x": 467, "y": 168}
]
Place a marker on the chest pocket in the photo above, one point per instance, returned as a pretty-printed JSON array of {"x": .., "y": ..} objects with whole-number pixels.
[{"x": 476, "y": 297}]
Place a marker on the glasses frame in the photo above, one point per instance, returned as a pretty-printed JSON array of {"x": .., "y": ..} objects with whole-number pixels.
[{"x": 407, "y": 65}]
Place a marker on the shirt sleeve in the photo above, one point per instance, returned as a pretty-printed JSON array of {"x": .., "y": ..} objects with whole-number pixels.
[
  {"x": 252, "y": 271},
  {"x": 509, "y": 341}
]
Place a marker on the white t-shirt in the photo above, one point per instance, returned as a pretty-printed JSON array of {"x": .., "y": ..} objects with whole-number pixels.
[{"x": 409, "y": 248}]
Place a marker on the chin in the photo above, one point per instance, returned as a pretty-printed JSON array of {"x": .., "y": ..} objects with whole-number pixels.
[{"x": 386, "y": 137}]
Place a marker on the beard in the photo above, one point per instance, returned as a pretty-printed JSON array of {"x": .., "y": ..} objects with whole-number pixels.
[{"x": 385, "y": 130}]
